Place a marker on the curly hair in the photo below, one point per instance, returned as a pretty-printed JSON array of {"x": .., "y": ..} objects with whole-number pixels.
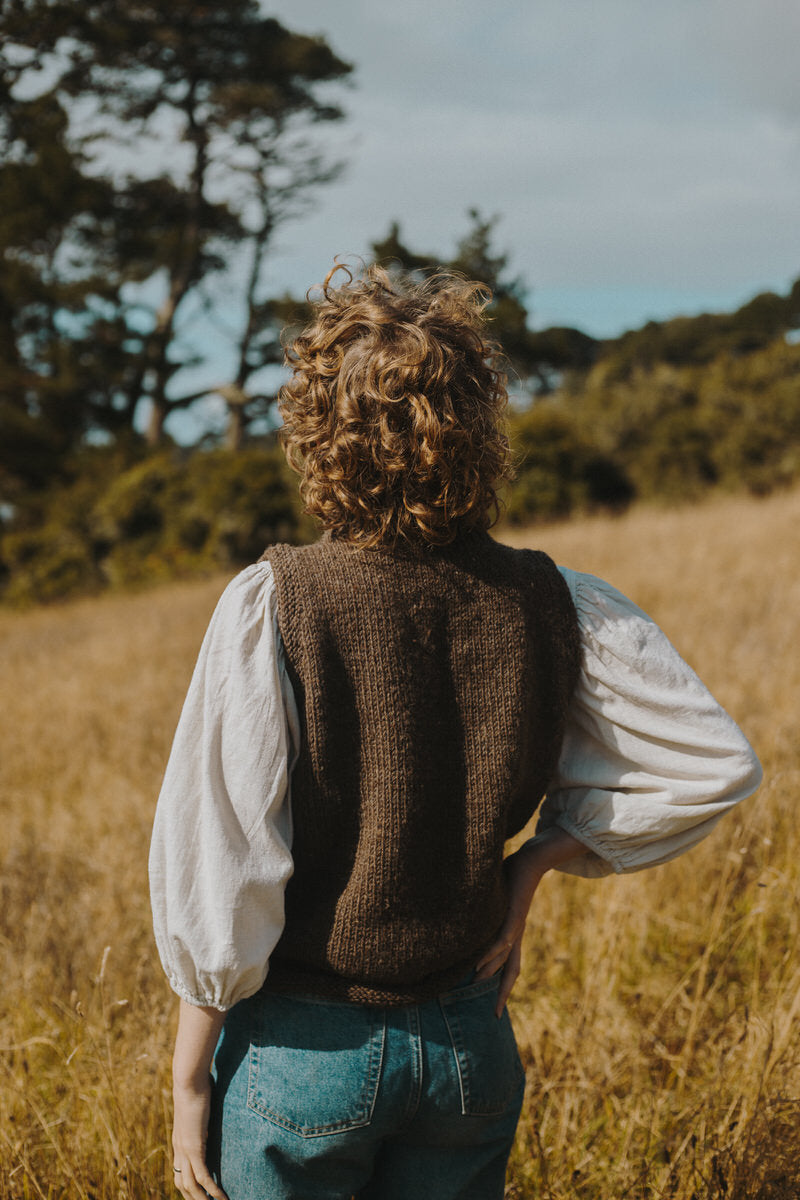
[{"x": 394, "y": 416}]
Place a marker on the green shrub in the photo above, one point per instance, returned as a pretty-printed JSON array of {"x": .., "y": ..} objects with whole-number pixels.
[
  {"x": 212, "y": 510},
  {"x": 132, "y": 507},
  {"x": 676, "y": 461},
  {"x": 46, "y": 564},
  {"x": 559, "y": 470},
  {"x": 170, "y": 514},
  {"x": 243, "y": 501}
]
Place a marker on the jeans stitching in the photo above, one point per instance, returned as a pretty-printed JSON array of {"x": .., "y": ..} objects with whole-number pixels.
[
  {"x": 470, "y": 990},
  {"x": 455, "y": 1040},
  {"x": 415, "y": 1047},
  {"x": 468, "y": 1105},
  {"x": 377, "y": 1040},
  {"x": 375, "y": 1076}
]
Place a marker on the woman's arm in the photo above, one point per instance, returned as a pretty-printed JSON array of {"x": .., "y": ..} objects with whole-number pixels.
[
  {"x": 198, "y": 1032},
  {"x": 649, "y": 763},
  {"x": 220, "y": 854},
  {"x": 525, "y": 868},
  {"x": 650, "y": 760}
]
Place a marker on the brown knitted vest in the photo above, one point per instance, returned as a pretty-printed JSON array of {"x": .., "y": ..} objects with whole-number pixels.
[{"x": 432, "y": 689}]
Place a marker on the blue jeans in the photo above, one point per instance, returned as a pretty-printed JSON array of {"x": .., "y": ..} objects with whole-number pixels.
[{"x": 324, "y": 1101}]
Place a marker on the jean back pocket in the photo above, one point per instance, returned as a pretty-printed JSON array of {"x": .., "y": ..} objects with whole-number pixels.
[
  {"x": 315, "y": 1067},
  {"x": 489, "y": 1069}
]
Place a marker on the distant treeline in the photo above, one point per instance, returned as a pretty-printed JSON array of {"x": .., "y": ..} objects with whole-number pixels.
[
  {"x": 108, "y": 274},
  {"x": 126, "y": 514},
  {"x": 667, "y": 412}
]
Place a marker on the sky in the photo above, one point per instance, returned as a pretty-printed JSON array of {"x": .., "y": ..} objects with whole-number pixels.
[{"x": 643, "y": 157}]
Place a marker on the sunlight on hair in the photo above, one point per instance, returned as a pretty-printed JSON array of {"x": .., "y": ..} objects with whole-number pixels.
[{"x": 394, "y": 417}]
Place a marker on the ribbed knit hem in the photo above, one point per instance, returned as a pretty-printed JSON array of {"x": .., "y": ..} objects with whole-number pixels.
[{"x": 287, "y": 979}]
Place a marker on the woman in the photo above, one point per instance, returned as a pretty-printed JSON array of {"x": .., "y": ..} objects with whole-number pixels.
[{"x": 370, "y": 719}]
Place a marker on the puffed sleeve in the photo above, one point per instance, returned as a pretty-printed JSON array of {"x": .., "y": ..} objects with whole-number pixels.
[
  {"x": 650, "y": 761},
  {"x": 220, "y": 856}
]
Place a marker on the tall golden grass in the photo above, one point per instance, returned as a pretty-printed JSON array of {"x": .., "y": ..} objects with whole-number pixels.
[{"x": 657, "y": 1013}]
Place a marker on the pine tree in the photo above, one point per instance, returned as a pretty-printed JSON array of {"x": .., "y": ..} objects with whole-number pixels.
[
  {"x": 150, "y": 153},
  {"x": 537, "y": 358}
]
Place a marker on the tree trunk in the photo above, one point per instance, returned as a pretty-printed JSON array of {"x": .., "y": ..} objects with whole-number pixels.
[
  {"x": 236, "y": 400},
  {"x": 234, "y": 434},
  {"x": 154, "y": 431}
]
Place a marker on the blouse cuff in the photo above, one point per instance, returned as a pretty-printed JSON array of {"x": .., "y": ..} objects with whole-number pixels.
[
  {"x": 222, "y": 997},
  {"x": 595, "y": 863},
  {"x": 196, "y": 1001}
]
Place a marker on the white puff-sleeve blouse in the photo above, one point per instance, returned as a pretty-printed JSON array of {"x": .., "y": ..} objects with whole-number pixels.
[{"x": 649, "y": 764}]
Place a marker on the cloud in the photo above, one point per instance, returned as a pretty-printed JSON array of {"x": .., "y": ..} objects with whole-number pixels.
[
  {"x": 626, "y": 144},
  {"x": 752, "y": 49}
]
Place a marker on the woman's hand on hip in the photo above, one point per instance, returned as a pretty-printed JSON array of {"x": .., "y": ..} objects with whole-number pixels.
[{"x": 525, "y": 870}]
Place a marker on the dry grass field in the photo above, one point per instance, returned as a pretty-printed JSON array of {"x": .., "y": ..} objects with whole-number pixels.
[{"x": 657, "y": 1015}]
